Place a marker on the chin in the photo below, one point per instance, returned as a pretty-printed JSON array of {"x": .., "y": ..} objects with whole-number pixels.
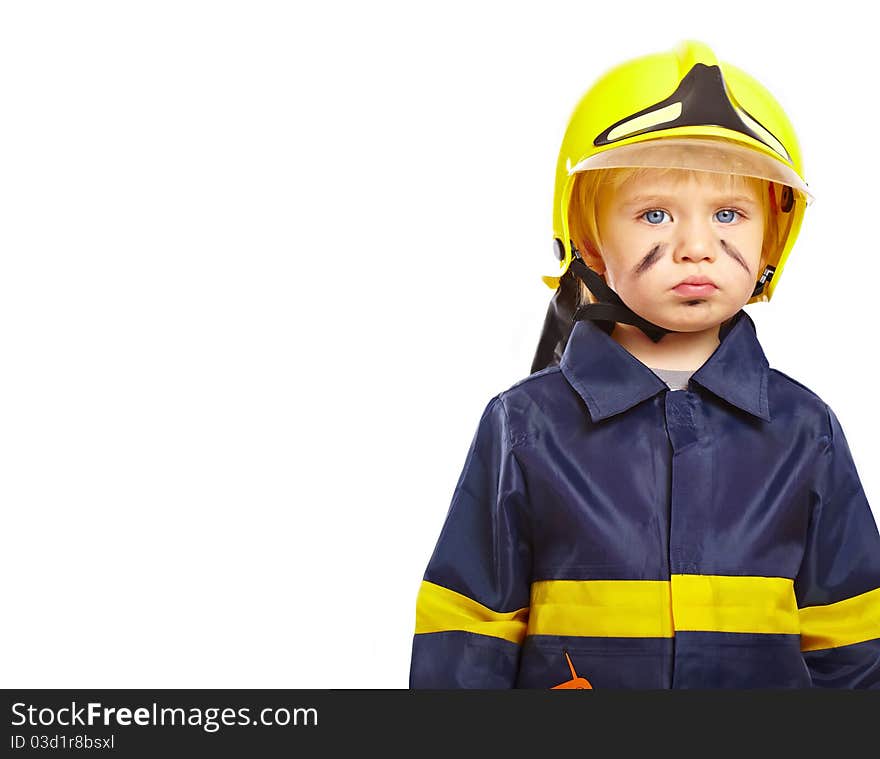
[{"x": 695, "y": 316}]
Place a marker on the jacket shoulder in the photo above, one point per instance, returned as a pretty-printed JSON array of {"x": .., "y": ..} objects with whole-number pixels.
[
  {"x": 534, "y": 385},
  {"x": 801, "y": 402},
  {"x": 790, "y": 384},
  {"x": 543, "y": 397},
  {"x": 537, "y": 376}
]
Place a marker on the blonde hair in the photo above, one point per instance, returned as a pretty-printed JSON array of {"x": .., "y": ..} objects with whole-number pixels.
[{"x": 582, "y": 209}]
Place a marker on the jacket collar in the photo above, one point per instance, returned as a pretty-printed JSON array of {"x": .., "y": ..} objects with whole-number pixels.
[{"x": 611, "y": 380}]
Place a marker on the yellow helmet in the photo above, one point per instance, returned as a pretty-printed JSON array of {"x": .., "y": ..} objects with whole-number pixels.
[{"x": 683, "y": 109}]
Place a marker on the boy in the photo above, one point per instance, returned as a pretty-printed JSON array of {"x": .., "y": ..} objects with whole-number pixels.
[{"x": 654, "y": 507}]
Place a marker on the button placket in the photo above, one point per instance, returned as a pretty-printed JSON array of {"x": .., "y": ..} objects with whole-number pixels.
[{"x": 690, "y": 494}]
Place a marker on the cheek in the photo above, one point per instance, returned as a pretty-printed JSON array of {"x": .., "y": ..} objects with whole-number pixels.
[
  {"x": 750, "y": 241},
  {"x": 751, "y": 233},
  {"x": 629, "y": 243}
]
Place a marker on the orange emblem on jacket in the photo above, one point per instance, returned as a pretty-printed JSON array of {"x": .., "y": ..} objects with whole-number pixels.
[{"x": 576, "y": 682}]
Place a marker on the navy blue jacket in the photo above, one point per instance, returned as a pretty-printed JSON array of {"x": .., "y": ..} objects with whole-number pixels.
[{"x": 609, "y": 532}]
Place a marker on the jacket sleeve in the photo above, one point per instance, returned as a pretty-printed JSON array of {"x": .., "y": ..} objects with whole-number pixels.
[
  {"x": 472, "y": 605},
  {"x": 838, "y": 584}
]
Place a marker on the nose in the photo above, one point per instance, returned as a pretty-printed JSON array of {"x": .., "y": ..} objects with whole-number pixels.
[{"x": 696, "y": 240}]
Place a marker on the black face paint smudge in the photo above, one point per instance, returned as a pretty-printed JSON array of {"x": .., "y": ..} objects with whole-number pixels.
[
  {"x": 649, "y": 260},
  {"x": 734, "y": 254}
]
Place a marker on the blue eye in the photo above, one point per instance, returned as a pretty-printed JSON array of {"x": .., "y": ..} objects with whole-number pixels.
[
  {"x": 652, "y": 216},
  {"x": 726, "y": 211}
]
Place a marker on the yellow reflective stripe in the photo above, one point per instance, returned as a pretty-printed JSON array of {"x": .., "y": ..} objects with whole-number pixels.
[
  {"x": 852, "y": 620},
  {"x": 646, "y": 121},
  {"x": 440, "y": 609},
  {"x": 724, "y": 603},
  {"x": 656, "y": 608},
  {"x": 603, "y": 608}
]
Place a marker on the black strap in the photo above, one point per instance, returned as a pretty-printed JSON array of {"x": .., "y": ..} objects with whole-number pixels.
[
  {"x": 564, "y": 311},
  {"x": 611, "y": 308}
]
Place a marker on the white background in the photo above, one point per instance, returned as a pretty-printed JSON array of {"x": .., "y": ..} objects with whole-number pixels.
[{"x": 263, "y": 266}]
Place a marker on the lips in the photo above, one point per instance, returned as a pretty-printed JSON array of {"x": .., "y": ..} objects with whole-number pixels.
[{"x": 695, "y": 286}]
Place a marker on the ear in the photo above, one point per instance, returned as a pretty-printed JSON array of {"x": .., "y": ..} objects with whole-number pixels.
[{"x": 593, "y": 259}]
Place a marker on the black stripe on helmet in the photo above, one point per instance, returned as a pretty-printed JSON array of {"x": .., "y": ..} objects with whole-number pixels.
[{"x": 701, "y": 99}]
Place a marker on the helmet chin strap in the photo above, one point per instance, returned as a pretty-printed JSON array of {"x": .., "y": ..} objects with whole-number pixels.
[{"x": 611, "y": 308}]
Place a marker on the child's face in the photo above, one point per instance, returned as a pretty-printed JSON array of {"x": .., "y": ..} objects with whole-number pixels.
[{"x": 665, "y": 227}]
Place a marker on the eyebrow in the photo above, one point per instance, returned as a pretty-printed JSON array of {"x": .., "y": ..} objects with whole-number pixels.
[{"x": 717, "y": 200}]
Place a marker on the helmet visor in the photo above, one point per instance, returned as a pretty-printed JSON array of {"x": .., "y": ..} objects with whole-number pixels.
[{"x": 698, "y": 154}]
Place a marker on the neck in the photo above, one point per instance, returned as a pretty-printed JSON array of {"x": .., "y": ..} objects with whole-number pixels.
[{"x": 676, "y": 350}]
